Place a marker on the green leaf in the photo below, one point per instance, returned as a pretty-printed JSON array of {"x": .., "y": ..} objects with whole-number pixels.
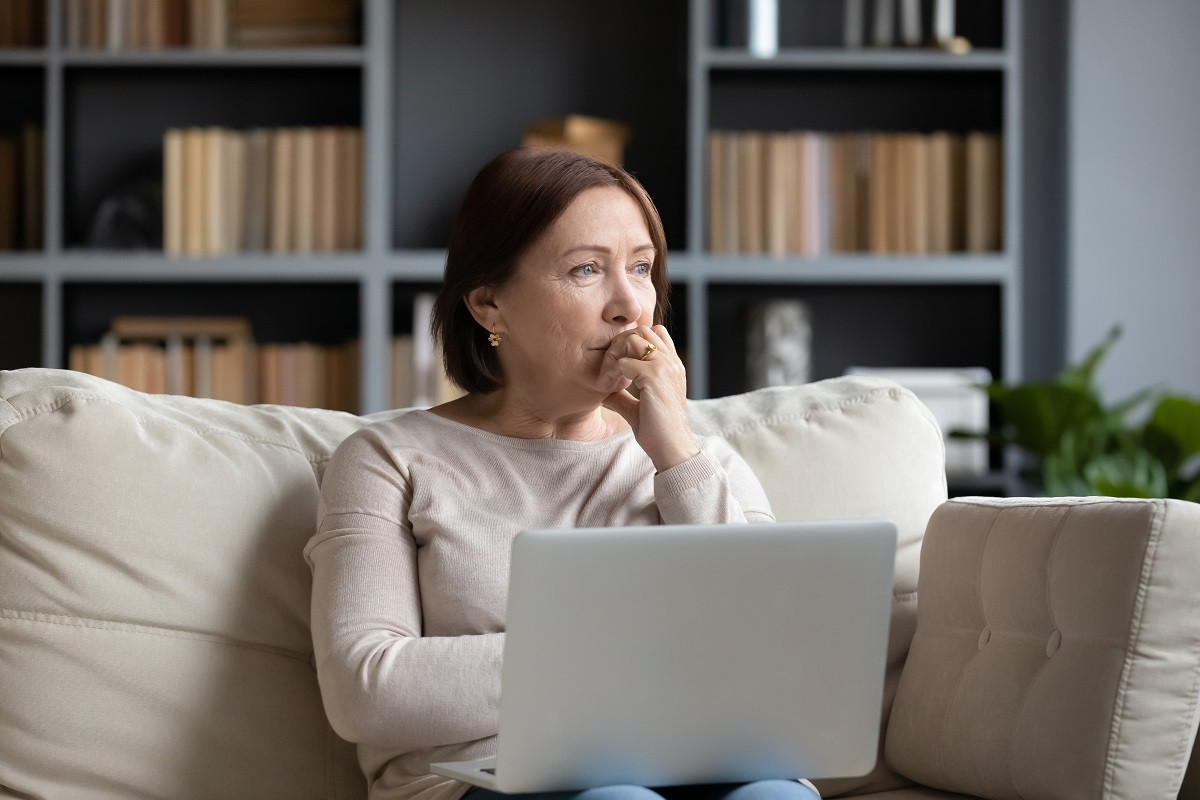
[
  {"x": 1192, "y": 493},
  {"x": 1038, "y": 414},
  {"x": 1080, "y": 376},
  {"x": 1179, "y": 418},
  {"x": 1127, "y": 474}
]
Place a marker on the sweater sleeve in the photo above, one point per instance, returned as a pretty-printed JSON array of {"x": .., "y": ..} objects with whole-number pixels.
[
  {"x": 382, "y": 683},
  {"x": 715, "y": 485}
]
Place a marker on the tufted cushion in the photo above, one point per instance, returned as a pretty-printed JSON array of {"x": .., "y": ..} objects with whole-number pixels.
[
  {"x": 1057, "y": 652},
  {"x": 154, "y": 604}
]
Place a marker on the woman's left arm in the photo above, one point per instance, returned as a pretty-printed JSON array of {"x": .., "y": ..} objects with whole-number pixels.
[{"x": 715, "y": 485}]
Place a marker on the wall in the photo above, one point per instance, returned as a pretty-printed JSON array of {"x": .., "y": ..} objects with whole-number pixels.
[{"x": 1133, "y": 244}]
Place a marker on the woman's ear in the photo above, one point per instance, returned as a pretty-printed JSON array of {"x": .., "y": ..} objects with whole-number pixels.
[{"x": 481, "y": 302}]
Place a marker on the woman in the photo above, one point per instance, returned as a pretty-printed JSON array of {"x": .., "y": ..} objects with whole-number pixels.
[{"x": 551, "y": 308}]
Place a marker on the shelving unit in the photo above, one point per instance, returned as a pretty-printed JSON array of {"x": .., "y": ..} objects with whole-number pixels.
[{"x": 436, "y": 99}]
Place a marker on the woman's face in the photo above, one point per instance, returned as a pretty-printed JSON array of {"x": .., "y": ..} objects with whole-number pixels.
[{"x": 586, "y": 279}]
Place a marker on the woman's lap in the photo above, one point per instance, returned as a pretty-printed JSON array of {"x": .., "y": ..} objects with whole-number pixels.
[{"x": 758, "y": 790}]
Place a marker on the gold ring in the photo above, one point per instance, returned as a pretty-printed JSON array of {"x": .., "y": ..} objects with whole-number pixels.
[{"x": 650, "y": 348}]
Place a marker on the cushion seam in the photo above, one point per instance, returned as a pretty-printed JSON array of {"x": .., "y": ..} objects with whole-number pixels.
[
  {"x": 1114, "y": 734},
  {"x": 19, "y": 615},
  {"x": 89, "y": 396},
  {"x": 841, "y": 405}
]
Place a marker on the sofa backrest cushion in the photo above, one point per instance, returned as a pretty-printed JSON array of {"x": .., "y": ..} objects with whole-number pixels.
[
  {"x": 1057, "y": 653},
  {"x": 154, "y": 603},
  {"x": 849, "y": 447}
]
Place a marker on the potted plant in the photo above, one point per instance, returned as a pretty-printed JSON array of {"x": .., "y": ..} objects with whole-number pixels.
[{"x": 1145, "y": 446}]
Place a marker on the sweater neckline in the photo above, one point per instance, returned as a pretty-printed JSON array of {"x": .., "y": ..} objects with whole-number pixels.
[{"x": 532, "y": 444}]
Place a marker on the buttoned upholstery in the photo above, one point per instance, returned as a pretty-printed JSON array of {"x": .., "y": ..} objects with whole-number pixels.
[{"x": 1057, "y": 651}]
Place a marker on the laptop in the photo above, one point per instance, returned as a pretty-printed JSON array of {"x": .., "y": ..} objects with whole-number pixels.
[{"x": 668, "y": 655}]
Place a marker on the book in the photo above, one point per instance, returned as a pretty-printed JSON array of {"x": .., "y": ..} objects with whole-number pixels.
[
  {"x": 939, "y": 180},
  {"x": 779, "y": 192},
  {"x": 349, "y": 180},
  {"x": 256, "y": 228},
  {"x": 750, "y": 193},
  {"x": 304, "y": 167},
  {"x": 283, "y": 196},
  {"x": 716, "y": 239},
  {"x": 8, "y": 193},
  {"x": 325, "y": 189},
  {"x": 983, "y": 192},
  {"x": 214, "y": 190},
  {"x": 730, "y": 191},
  {"x": 174, "y": 193},
  {"x": 294, "y": 23},
  {"x": 195, "y": 210}
]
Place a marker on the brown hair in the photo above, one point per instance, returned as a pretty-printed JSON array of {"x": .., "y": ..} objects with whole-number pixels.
[{"x": 511, "y": 202}]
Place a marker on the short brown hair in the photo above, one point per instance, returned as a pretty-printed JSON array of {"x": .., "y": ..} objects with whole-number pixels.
[{"x": 511, "y": 202}]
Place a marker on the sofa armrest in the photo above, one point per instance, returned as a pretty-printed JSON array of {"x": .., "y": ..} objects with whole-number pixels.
[{"x": 1057, "y": 652}]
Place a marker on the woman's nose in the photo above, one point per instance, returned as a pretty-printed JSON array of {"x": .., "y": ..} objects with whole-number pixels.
[{"x": 623, "y": 306}]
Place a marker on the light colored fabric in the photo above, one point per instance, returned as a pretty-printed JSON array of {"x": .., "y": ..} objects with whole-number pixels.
[
  {"x": 1057, "y": 653},
  {"x": 154, "y": 603},
  {"x": 154, "y": 638},
  {"x": 410, "y": 571},
  {"x": 850, "y": 447}
]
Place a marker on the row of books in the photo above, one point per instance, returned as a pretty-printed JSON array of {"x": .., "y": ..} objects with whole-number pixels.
[
  {"x": 22, "y": 23},
  {"x": 155, "y": 24},
  {"x": 219, "y": 359},
  {"x": 21, "y": 165},
  {"x": 287, "y": 190},
  {"x": 806, "y": 193}
]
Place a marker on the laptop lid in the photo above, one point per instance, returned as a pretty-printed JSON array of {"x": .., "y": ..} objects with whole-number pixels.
[{"x": 666, "y": 655}]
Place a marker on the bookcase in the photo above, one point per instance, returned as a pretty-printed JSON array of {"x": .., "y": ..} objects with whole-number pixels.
[{"x": 438, "y": 89}]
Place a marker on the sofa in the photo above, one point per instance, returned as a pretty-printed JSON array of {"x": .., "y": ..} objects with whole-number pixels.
[{"x": 154, "y": 640}]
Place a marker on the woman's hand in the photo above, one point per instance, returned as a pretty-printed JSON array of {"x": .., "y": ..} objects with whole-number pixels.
[{"x": 658, "y": 415}]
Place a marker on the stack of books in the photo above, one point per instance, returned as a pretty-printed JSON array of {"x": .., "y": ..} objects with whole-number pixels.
[
  {"x": 217, "y": 357},
  {"x": 22, "y": 23},
  {"x": 289, "y": 190},
  {"x": 210, "y": 24},
  {"x": 805, "y": 193},
  {"x": 21, "y": 181}
]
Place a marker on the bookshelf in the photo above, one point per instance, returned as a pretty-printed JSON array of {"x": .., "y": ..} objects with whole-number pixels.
[{"x": 435, "y": 99}]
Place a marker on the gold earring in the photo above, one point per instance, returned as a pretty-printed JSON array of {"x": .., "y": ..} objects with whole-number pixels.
[{"x": 493, "y": 337}]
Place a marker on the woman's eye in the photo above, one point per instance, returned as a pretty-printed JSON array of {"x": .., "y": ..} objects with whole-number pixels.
[
  {"x": 585, "y": 269},
  {"x": 642, "y": 268}
]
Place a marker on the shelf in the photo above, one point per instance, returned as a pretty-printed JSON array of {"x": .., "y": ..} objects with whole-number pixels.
[
  {"x": 290, "y": 57},
  {"x": 851, "y": 268},
  {"x": 827, "y": 58},
  {"x": 31, "y": 57}
]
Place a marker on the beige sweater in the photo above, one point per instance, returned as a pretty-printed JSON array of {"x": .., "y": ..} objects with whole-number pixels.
[{"x": 410, "y": 571}]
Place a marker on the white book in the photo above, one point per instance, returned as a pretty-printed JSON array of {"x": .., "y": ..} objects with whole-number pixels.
[
  {"x": 910, "y": 22},
  {"x": 424, "y": 378},
  {"x": 885, "y": 23},
  {"x": 943, "y": 20},
  {"x": 853, "y": 32}
]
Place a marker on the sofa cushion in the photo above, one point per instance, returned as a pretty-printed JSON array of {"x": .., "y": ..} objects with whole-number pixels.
[
  {"x": 1057, "y": 652},
  {"x": 154, "y": 635},
  {"x": 842, "y": 448},
  {"x": 154, "y": 603}
]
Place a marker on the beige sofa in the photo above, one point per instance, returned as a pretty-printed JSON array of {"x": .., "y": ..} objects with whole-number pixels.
[{"x": 154, "y": 602}]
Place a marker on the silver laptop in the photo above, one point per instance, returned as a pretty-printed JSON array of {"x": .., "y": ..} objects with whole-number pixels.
[{"x": 667, "y": 655}]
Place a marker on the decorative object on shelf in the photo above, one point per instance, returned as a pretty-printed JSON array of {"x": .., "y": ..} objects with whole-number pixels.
[
  {"x": 288, "y": 190},
  {"x": 805, "y": 193},
  {"x": 22, "y": 23},
  {"x": 129, "y": 220},
  {"x": 852, "y": 23},
  {"x": 763, "y": 24},
  {"x": 21, "y": 170},
  {"x": 591, "y": 136},
  {"x": 779, "y": 344},
  {"x": 943, "y": 29},
  {"x": 1145, "y": 446},
  {"x": 210, "y": 24},
  {"x": 958, "y": 402}
]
